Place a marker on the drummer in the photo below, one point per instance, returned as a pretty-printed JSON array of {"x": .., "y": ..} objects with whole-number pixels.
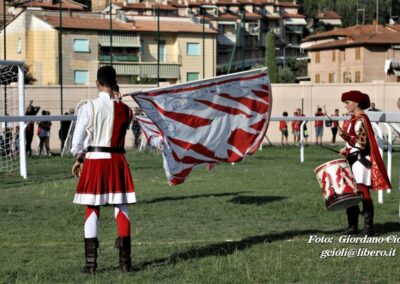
[{"x": 362, "y": 153}]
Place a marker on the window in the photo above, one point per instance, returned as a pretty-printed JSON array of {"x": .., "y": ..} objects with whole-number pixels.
[
  {"x": 192, "y": 76},
  {"x": 317, "y": 57},
  {"x": 19, "y": 46},
  {"x": 317, "y": 78},
  {"x": 333, "y": 55},
  {"x": 193, "y": 48},
  {"x": 358, "y": 53},
  {"x": 331, "y": 77},
  {"x": 81, "y": 45},
  {"x": 81, "y": 76},
  {"x": 358, "y": 77}
]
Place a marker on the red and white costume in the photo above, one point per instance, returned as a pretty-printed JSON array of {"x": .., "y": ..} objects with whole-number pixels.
[
  {"x": 105, "y": 177},
  {"x": 359, "y": 137}
]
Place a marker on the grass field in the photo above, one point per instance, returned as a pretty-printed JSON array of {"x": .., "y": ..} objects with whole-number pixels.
[{"x": 247, "y": 223}]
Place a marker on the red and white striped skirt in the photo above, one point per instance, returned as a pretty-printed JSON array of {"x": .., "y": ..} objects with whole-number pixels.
[{"x": 105, "y": 181}]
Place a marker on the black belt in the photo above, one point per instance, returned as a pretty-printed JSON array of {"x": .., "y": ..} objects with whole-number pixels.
[
  {"x": 106, "y": 149},
  {"x": 354, "y": 157}
]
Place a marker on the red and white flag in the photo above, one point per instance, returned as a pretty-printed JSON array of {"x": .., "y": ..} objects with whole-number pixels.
[{"x": 222, "y": 119}]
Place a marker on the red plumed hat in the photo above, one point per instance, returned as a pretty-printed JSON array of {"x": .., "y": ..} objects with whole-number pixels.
[{"x": 358, "y": 97}]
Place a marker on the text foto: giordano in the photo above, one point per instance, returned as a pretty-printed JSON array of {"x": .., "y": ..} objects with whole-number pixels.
[{"x": 369, "y": 240}]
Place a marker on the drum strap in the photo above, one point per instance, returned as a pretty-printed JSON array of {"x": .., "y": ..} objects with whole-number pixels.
[{"x": 354, "y": 157}]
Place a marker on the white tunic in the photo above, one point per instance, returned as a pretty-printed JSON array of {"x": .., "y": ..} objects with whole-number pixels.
[{"x": 361, "y": 173}]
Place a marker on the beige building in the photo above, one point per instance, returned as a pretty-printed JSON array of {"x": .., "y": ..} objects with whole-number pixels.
[
  {"x": 33, "y": 38},
  {"x": 246, "y": 48},
  {"x": 352, "y": 55}
]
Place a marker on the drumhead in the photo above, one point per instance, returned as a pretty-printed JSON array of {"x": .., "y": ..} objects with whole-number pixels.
[
  {"x": 330, "y": 163},
  {"x": 343, "y": 202}
]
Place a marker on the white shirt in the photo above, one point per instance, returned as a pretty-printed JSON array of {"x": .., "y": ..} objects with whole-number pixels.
[{"x": 81, "y": 138}]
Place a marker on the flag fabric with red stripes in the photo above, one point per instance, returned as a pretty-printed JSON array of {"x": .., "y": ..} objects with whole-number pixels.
[{"x": 222, "y": 119}]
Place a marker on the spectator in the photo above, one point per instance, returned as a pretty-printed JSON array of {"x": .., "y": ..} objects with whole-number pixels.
[
  {"x": 305, "y": 133},
  {"x": 136, "y": 128},
  {"x": 30, "y": 110},
  {"x": 296, "y": 130},
  {"x": 44, "y": 135},
  {"x": 16, "y": 142},
  {"x": 373, "y": 108},
  {"x": 283, "y": 127},
  {"x": 319, "y": 126},
  {"x": 64, "y": 128},
  {"x": 334, "y": 126},
  {"x": 8, "y": 136}
]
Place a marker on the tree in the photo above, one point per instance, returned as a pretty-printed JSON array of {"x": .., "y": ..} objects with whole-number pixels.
[
  {"x": 270, "y": 58},
  {"x": 286, "y": 75}
]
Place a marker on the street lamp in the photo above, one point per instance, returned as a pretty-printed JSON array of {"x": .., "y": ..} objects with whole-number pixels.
[{"x": 284, "y": 53}]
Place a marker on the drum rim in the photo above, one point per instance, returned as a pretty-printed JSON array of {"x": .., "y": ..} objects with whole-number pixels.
[
  {"x": 348, "y": 196},
  {"x": 320, "y": 167}
]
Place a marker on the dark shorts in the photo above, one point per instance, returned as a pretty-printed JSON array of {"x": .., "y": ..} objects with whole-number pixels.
[{"x": 285, "y": 132}]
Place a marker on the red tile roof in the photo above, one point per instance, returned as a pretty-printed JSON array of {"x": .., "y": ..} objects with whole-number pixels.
[
  {"x": 142, "y": 6},
  {"x": 224, "y": 17},
  {"x": 386, "y": 38},
  {"x": 78, "y": 23},
  {"x": 287, "y": 5},
  {"x": 342, "y": 32},
  {"x": 293, "y": 16},
  {"x": 252, "y": 16},
  {"x": 66, "y": 5},
  {"x": 327, "y": 14},
  {"x": 395, "y": 27}
]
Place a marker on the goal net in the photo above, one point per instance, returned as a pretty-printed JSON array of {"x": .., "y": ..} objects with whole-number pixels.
[{"x": 12, "y": 131}]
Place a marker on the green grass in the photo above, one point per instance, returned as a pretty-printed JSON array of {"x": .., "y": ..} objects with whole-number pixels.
[{"x": 247, "y": 223}]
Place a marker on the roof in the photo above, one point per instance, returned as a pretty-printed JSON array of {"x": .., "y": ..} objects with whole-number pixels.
[
  {"x": 287, "y": 5},
  {"x": 386, "y": 38},
  {"x": 327, "y": 14},
  {"x": 395, "y": 27},
  {"x": 293, "y": 16},
  {"x": 223, "y": 17},
  {"x": 65, "y": 4},
  {"x": 343, "y": 32},
  {"x": 78, "y": 23},
  {"x": 252, "y": 15},
  {"x": 150, "y": 6}
]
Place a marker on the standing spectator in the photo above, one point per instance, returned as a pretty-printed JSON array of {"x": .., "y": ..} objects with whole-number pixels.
[
  {"x": 319, "y": 126},
  {"x": 44, "y": 134},
  {"x": 283, "y": 127},
  {"x": 16, "y": 140},
  {"x": 373, "y": 108},
  {"x": 305, "y": 133},
  {"x": 64, "y": 128},
  {"x": 296, "y": 130},
  {"x": 136, "y": 128},
  {"x": 8, "y": 136},
  {"x": 335, "y": 125},
  {"x": 30, "y": 110}
]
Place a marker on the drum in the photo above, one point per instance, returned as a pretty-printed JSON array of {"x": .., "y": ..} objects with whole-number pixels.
[{"x": 338, "y": 185}]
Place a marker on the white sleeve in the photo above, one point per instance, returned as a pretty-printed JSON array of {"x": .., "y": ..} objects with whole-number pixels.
[{"x": 80, "y": 133}]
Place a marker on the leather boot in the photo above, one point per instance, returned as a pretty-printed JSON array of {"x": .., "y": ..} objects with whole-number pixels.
[
  {"x": 91, "y": 246},
  {"x": 124, "y": 246},
  {"x": 368, "y": 229},
  {"x": 352, "y": 219}
]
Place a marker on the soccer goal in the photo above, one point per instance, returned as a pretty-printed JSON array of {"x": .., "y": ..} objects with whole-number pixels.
[{"x": 12, "y": 130}]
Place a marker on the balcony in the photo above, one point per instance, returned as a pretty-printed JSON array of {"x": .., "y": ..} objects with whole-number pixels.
[
  {"x": 119, "y": 58},
  {"x": 148, "y": 70},
  {"x": 226, "y": 39}
]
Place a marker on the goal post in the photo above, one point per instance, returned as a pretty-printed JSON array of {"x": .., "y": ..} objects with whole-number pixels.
[{"x": 13, "y": 152}]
